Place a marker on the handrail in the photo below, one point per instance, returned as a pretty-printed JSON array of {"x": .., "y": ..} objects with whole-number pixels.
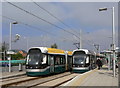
[{"x": 13, "y": 61}]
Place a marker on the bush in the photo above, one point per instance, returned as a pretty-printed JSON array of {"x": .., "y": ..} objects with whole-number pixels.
[{"x": 17, "y": 56}]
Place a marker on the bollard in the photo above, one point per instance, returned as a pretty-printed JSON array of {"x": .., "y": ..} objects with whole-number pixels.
[
  {"x": 20, "y": 67},
  {"x": 9, "y": 58}
]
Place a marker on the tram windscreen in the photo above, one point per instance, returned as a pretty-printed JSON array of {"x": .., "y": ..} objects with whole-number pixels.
[
  {"x": 34, "y": 57},
  {"x": 79, "y": 58}
]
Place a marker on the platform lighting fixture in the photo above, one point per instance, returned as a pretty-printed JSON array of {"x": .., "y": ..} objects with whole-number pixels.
[
  {"x": 102, "y": 9},
  {"x": 113, "y": 37}
]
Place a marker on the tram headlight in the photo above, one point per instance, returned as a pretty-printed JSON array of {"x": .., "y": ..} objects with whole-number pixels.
[
  {"x": 26, "y": 66},
  {"x": 81, "y": 62},
  {"x": 36, "y": 63},
  {"x": 26, "y": 63}
]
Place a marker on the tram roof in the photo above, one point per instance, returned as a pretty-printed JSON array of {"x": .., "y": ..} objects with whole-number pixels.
[
  {"x": 69, "y": 52},
  {"x": 50, "y": 50},
  {"x": 53, "y": 50},
  {"x": 85, "y": 50}
]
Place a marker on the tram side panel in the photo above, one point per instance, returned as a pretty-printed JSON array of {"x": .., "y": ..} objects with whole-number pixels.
[
  {"x": 51, "y": 64},
  {"x": 92, "y": 62},
  {"x": 69, "y": 63},
  {"x": 68, "y": 57},
  {"x": 59, "y": 63}
]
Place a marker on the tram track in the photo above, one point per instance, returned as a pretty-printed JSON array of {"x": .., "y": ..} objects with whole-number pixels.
[
  {"x": 30, "y": 82},
  {"x": 56, "y": 82},
  {"x": 16, "y": 81},
  {"x": 12, "y": 78}
]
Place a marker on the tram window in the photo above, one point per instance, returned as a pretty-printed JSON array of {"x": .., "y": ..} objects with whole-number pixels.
[
  {"x": 70, "y": 60},
  {"x": 64, "y": 60},
  {"x": 57, "y": 60},
  {"x": 27, "y": 59},
  {"x": 61, "y": 60},
  {"x": 49, "y": 59}
]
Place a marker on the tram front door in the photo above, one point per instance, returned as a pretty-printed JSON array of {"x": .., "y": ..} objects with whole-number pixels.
[{"x": 52, "y": 64}]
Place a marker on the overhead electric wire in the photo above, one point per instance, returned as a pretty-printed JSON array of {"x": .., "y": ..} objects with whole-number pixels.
[
  {"x": 88, "y": 42},
  {"x": 31, "y": 26},
  {"x": 52, "y": 15},
  {"x": 39, "y": 18},
  {"x": 92, "y": 43},
  {"x": 28, "y": 25}
]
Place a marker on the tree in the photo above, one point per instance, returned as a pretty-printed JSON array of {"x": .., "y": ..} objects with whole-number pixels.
[
  {"x": 5, "y": 46},
  {"x": 3, "y": 49},
  {"x": 17, "y": 56},
  {"x": 54, "y": 46}
]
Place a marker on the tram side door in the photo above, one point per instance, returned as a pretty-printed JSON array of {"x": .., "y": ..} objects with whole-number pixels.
[{"x": 52, "y": 64}]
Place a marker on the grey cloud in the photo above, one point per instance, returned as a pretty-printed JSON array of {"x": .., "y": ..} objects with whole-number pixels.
[{"x": 85, "y": 13}]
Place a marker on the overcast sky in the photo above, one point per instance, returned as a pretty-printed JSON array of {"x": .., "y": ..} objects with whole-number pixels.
[{"x": 96, "y": 26}]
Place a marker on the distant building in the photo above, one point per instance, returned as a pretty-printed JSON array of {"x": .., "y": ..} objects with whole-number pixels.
[{"x": 23, "y": 52}]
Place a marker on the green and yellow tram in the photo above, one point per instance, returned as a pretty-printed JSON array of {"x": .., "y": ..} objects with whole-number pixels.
[
  {"x": 45, "y": 61},
  {"x": 83, "y": 60}
]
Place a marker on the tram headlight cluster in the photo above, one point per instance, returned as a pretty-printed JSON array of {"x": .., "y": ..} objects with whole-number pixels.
[
  {"x": 81, "y": 62},
  {"x": 27, "y": 67},
  {"x": 36, "y": 63}
]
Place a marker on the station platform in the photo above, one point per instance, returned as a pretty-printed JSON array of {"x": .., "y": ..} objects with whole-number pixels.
[
  {"x": 5, "y": 75},
  {"x": 102, "y": 77}
]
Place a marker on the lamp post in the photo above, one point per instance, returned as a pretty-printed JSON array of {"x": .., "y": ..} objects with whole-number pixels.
[
  {"x": 10, "y": 43},
  {"x": 113, "y": 38}
]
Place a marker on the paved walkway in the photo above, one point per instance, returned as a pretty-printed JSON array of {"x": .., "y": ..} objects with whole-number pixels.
[
  {"x": 100, "y": 78},
  {"x": 11, "y": 74},
  {"x": 95, "y": 77}
]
